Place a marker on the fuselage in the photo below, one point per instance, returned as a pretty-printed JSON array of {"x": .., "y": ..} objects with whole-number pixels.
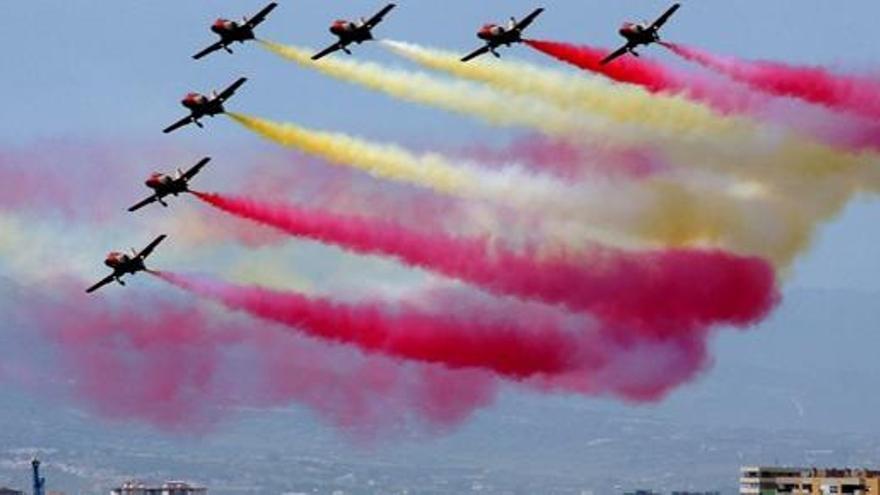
[
  {"x": 350, "y": 32},
  {"x": 200, "y": 105},
  {"x": 231, "y": 31},
  {"x": 165, "y": 185},
  {"x": 122, "y": 263},
  {"x": 638, "y": 34},
  {"x": 496, "y": 35}
]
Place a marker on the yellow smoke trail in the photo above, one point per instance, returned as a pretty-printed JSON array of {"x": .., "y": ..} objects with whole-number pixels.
[
  {"x": 672, "y": 119},
  {"x": 620, "y": 103},
  {"x": 693, "y": 137},
  {"x": 511, "y": 187},
  {"x": 656, "y": 212},
  {"x": 819, "y": 179},
  {"x": 456, "y": 96}
]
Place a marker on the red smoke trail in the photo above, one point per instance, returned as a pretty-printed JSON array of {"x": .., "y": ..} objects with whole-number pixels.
[
  {"x": 652, "y": 76},
  {"x": 858, "y": 95},
  {"x": 403, "y": 331},
  {"x": 671, "y": 289},
  {"x": 724, "y": 97},
  {"x": 641, "y": 371},
  {"x": 180, "y": 368},
  {"x": 629, "y": 363},
  {"x": 522, "y": 341},
  {"x": 150, "y": 365}
]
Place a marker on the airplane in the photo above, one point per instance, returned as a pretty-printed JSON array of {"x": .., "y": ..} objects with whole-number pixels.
[
  {"x": 231, "y": 31},
  {"x": 166, "y": 185},
  {"x": 124, "y": 264},
  {"x": 495, "y": 35},
  {"x": 350, "y": 32},
  {"x": 640, "y": 34},
  {"x": 200, "y": 105}
]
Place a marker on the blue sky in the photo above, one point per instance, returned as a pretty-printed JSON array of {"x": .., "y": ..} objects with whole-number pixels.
[
  {"x": 109, "y": 72},
  {"x": 116, "y": 70}
]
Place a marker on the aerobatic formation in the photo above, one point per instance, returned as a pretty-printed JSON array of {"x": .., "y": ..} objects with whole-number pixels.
[{"x": 656, "y": 204}]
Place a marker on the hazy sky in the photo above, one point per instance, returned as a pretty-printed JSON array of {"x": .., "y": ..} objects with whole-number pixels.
[{"x": 114, "y": 71}]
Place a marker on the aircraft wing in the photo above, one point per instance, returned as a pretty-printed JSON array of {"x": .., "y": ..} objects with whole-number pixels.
[
  {"x": 152, "y": 199},
  {"x": 211, "y": 49},
  {"x": 189, "y": 174},
  {"x": 521, "y": 25},
  {"x": 177, "y": 125},
  {"x": 226, "y": 93},
  {"x": 665, "y": 17},
  {"x": 376, "y": 19},
  {"x": 327, "y": 51},
  {"x": 476, "y": 53},
  {"x": 615, "y": 54},
  {"x": 260, "y": 16},
  {"x": 104, "y": 281},
  {"x": 150, "y": 247}
]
